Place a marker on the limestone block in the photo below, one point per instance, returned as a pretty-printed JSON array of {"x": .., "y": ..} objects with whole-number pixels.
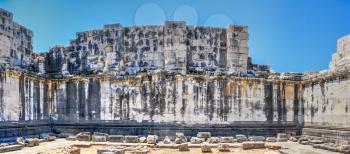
[
  {"x": 84, "y": 136},
  {"x": 224, "y": 147},
  {"x": 213, "y": 140},
  {"x": 205, "y": 147},
  {"x": 183, "y": 147},
  {"x": 282, "y": 137},
  {"x": 180, "y": 138},
  {"x": 166, "y": 140},
  {"x": 253, "y": 145},
  {"x": 152, "y": 139},
  {"x": 227, "y": 139},
  {"x": 99, "y": 138},
  {"x": 131, "y": 139},
  {"x": 204, "y": 135},
  {"x": 293, "y": 139},
  {"x": 257, "y": 138},
  {"x": 241, "y": 138},
  {"x": 70, "y": 150},
  {"x": 143, "y": 139},
  {"x": 271, "y": 139},
  {"x": 196, "y": 140},
  {"x": 116, "y": 138},
  {"x": 32, "y": 142}
]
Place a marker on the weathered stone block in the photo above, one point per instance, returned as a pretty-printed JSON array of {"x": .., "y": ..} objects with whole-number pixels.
[
  {"x": 196, "y": 140},
  {"x": 51, "y": 138},
  {"x": 205, "y": 147},
  {"x": 99, "y": 138},
  {"x": 271, "y": 139},
  {"x": 180, "y": 138},
  {"x": 32, "y": 142},
  {"x": 143, "y": 139},
  {"x": 84, "y": 136},
  {"x": 131, "y": 139},
  {"x": 224, "y": 147},
  {"x": 213, "y": 140},
  {"x": 183, "y": 147},
  {"x": 257, "y": 138},
  {"x": 152, "y": 139},
  {"x": 227, "y": 139},
  {"x": 241, "y": 138},
  {"x": 253, "y": 145},
  {"x": 204, "y": 135},
  {"x": 166, "y": 140},
  {"x": 116, "y": 138}
]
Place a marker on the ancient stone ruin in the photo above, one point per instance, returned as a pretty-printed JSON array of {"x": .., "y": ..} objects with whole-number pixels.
[{"x": 160, "y": 80}]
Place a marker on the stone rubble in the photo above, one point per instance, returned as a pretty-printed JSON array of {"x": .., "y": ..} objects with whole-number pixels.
[{"x": 205, "y": 147}]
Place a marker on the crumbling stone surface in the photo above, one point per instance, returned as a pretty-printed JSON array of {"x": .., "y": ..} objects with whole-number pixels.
[
  {"x": 70, "y": 150},
  {"x": 143, "y": 139}
]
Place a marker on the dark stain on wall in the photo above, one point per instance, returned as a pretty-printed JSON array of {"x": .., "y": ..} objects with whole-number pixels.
[
  {"x": 81, "y": 99},
  {"x": 268, "y": 108},
  {"x": 296, "y": 102},
  {"x": 72, "y": 99},
  {"x": 2, "y": 118},
  {"x": 22, "y": 97},
  {"x": 46, "y": 100},
  {"x": 94, "y": 99},
  {"x": 36, "y": 100},
  {"x": 210, "y": 100}
]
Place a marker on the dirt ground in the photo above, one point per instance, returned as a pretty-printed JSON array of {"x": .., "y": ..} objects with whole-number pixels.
[{"x": 55, "y": 146}]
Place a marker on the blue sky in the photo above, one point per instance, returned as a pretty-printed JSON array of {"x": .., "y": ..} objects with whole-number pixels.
[{"x": 289, "y": 35}]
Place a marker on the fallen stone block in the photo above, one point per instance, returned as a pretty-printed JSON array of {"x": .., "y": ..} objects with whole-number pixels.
[
  {"x": 204, "y": 135},
  {"x": 131, "y": 139},
  {"x": 32, "y": 142},
  {"x": 293, "y": 139},
  {"x": 224, "y": 147},
  {"x": 271, "y": 139},
  {"x": 213, "y": 140},
  {"x": 316, "y": 141},
  {"x": 196, "y": 140},
  {"x": 180, "y": 138},
  {"x": 205, "y": 147},
  {"x": 241, "y": 138},
  {"x": 84, "y": 136},
  {"x": 143, "y": 139},
  {"x": 166, "y": 140},
  {"x": 253, "y": 145},
  {"x": 257, "y": 138},
  {"x": 227, "y": 139},
  {"x": 11, "y": 148},
  {"x": 281, "y": 135},
  {"x": 183, "y": 147},
  {"x": 99, "y": 137},
  {"x": 152, "y": 139},
  {"x": 116, "y": 138},
  {"x": 344, "y": 149}
]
